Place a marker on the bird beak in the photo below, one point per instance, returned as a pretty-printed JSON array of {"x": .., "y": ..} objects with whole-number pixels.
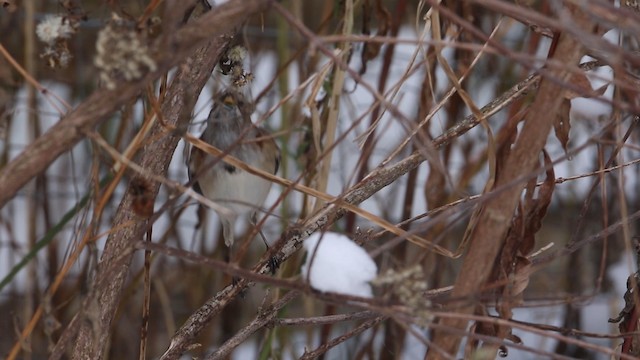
[{"x": 229, "y": 100}]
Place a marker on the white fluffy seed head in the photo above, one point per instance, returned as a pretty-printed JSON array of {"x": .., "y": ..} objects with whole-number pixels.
[
  {"x": 121, "y": 54},
  {"x": 237, "y": 54},
  {"x": 53, "y": 28}
]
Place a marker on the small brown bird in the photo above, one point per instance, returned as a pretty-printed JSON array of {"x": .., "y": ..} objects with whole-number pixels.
[{"x": 229, "y": 128}]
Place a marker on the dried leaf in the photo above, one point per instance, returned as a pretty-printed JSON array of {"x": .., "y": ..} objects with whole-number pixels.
[
  {"x": 628, "y": 317},
  {"x": 537, "y": 208},
  {"x": 548, "y": 186},
  {"x": 600, "y": 91},
  {"x": 371, "y": 50},
  {"x": 562, "y": 125},
  {"x": 585, "y": 90},
  {"x": 507, "y": 137},
  {"x": 367, "y": 53},
  {"x": 582, "y": 83},
  {"x": 513, "y": 263},
  {"x": 514, "y": 339},
  {"x": 521, "y": 276}
]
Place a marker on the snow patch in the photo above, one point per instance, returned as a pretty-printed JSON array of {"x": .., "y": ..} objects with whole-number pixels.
[{"x": 335, "y": 263}]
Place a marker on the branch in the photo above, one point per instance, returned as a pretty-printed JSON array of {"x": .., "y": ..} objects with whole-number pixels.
[
  {"x": 265, "y": 316},
  {"x": 97, "y": 108},
  {"x": 323, "y": 348},
  {"x": 494, "y": 220},
  {"x": 292, "y": 239},
  {"x": 100, "y": 305}
]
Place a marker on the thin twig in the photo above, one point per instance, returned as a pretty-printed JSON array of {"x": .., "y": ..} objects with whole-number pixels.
[{"x": 323, "y": 348}]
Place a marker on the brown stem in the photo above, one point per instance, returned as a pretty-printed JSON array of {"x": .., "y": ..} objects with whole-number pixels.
[
  {"x": 291, "y": 240},
  {"x": 98, "y": 107},
  {"x": 494, "y": 220},
  {"x": 387, "y": 61},
  {"x": 101, "y": 303}
]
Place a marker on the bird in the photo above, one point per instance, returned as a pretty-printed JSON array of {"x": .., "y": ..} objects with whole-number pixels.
[{"x": 229, "y": 128}]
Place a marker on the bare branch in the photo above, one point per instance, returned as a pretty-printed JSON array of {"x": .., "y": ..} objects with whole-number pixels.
[
  {"x": 100, "y": 305},
  {"x": 99, "y": 106},
  {"x": 496, "y": 216}
]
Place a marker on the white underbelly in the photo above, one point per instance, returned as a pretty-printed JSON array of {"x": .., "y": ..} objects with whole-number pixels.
[{"x": 239, "y": 191}]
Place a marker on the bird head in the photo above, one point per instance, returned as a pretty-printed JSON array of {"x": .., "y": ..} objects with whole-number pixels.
[{"x": 232, "y": 104}]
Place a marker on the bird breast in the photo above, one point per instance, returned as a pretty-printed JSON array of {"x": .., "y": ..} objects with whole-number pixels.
[{"x": 235, "y": 188}]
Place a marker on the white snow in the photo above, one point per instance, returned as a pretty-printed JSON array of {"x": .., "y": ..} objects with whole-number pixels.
[
  {"x": 335, "y": 263},
  {"x": 214, "y": 3}
]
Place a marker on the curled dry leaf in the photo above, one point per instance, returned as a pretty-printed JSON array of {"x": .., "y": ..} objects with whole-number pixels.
[
  {"x": 521, "y": 240},
  {"x": 513, "y": 266},
  {"x": 629, "y": 316},
  {"x": 537, "y": 207},
  {"x": 371, "y": 50},
  {"x": 522, "y": 274},
  {"x": 562, "y": 124},
  {"x": 584, "y": 87}
]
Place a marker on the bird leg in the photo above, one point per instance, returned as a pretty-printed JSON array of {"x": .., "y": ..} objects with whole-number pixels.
[
  {"x": 200, "y": 212},
  {"x": 254, "y": 221},
  {"x": 274, "y": 263}
]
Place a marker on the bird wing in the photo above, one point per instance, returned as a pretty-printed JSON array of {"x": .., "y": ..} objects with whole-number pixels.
[
  {"x": 268, "y": 146},
  {"x": 196, "y": 159}
]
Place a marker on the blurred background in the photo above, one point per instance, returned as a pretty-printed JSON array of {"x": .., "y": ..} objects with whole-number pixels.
[{"x": 596, "y": 171}]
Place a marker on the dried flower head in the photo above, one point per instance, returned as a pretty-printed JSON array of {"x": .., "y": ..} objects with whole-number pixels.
[
  {"x": 57, "y": 55},
  {"x": 633, "y": 4},
  {"x": 232, "y": 64},
  {"x": 237, "y": 54},
  {"x": 239, "y": 77},
  {"x": 409, "y": 286},
  {"x": 54, "y": 31},
  {"x": 122, "y": 53},
  {"x": 54, "y": 28}
]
